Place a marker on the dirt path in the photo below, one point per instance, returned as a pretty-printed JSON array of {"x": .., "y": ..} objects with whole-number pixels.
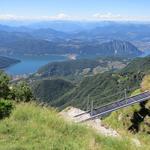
[{"x": 96, "y": 124}]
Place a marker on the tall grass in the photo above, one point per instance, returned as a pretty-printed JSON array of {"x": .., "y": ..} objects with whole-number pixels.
[
  {"x": 145, "y": 85},
  {"x": 31, "y": 127}
]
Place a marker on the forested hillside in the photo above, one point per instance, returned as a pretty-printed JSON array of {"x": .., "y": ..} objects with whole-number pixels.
[
  {"x": 49, "y": 90},
  {"x": 82, "y": 67},
  {"x": 98, "y": 87},
  {"x": 48, "y": 83}
]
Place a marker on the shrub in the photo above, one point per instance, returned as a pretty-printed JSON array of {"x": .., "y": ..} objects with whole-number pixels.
[
  {"x": 21, "y": 92},
  {"x": 4, "y": 85},
  {"x": 5, "y": 108}
]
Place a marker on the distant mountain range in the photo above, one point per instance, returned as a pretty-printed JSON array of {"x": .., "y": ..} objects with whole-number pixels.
[
  {"x": 26, "y": 43},
  {"x": 81, "y": 38},
  {"x": 6, "y": 62}
]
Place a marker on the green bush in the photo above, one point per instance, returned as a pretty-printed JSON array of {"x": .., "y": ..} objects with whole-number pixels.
[
  {"x": 21, "y": 92},
  {"x": 5, "y": 108},
  {"x": 4, "y": 85}
]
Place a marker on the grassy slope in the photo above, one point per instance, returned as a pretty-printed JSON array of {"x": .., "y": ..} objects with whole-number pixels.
[{"x": 33, "y": 127}]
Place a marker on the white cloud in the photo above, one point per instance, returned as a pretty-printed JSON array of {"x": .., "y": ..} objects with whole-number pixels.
[
  {"x": 107, "y": 16},
  {"x": 118, "y": 17},
  {"x": 8, "y": 17},
  {"x": 60, "y": 16},
  {"x": 63, "y": 16}
]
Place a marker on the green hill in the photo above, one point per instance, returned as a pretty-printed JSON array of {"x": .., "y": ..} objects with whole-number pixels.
[
  {"x": 49, "y": 90},
  {"x": 82, "y": 67},
  {"x": 33, "y": 127},
  {"x": 107, "y": 84},
  {"x": 138, "y": 65},
  {"x": 50, "y": 84}
]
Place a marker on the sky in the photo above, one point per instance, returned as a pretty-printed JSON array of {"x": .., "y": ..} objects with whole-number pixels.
[{"x": 75, "y": 10}]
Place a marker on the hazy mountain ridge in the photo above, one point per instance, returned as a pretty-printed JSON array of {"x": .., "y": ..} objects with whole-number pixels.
[
  {"x": 20, "y": 43},
  {"x": 113, "y": 48},
  {"x": 85, "y": 40}
]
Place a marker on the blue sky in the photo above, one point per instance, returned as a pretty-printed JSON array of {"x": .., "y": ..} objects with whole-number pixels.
[{"x": 75, "y": 9}]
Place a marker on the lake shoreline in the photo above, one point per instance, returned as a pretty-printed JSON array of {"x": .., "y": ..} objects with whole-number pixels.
[{"x": 30, "y": 64}]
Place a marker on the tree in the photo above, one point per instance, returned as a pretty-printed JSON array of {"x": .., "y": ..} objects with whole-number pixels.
[
  {"x": 6, "y": 107},
  {"x": 4, "y": 85},
  {"x": 18, "y": 92},
  {"x": 21, "y": 92}
]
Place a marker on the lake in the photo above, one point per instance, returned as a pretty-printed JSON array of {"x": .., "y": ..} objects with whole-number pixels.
[{"x": 30, "y": 64}]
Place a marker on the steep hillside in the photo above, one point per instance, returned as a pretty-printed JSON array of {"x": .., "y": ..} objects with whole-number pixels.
[
  {"x": 112, "y": 48},
  {"x": 138, "y": 65},
  {"x": 32, "y": 127},
  {"x": 49, "y": 90},
  {"x": 6, "y": 62},
  {"x": 106, "y": 87},
  {"x": 74, "y": 67}
]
